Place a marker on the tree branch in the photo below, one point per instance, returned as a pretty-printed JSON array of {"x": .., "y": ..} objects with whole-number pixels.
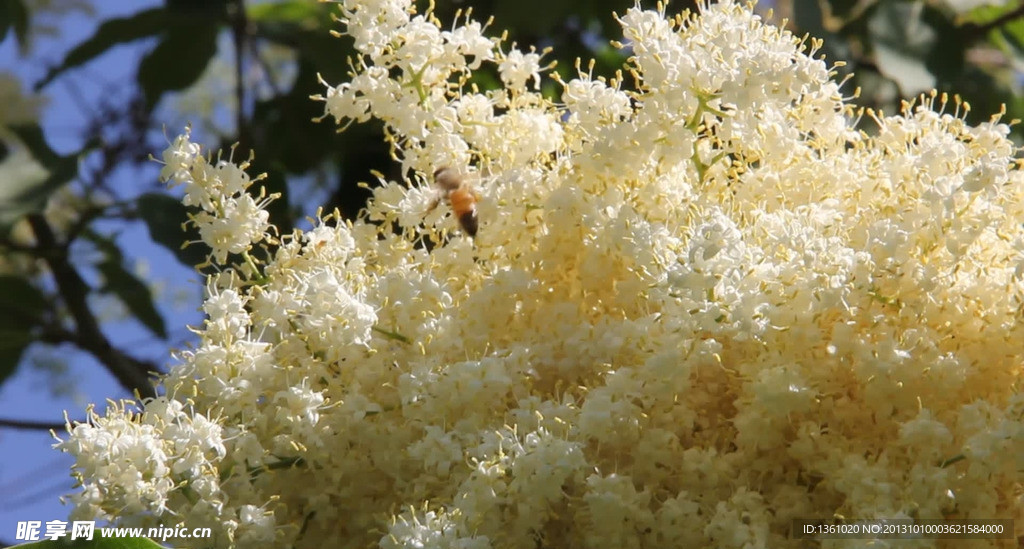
[
  {"x": 240, "y": 34},
  {"x": 133, "y": 374},
  {"x": 31, "y": 425},
  {"x": 974, "y": 31}
]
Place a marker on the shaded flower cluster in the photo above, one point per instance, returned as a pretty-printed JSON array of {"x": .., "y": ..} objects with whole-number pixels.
[{"x": 693, "y": 313}]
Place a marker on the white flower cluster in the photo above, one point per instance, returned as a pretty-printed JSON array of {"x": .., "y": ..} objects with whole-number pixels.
[
  {"x": 693, "y": 313},
  {"x": 230, "y": 220}
]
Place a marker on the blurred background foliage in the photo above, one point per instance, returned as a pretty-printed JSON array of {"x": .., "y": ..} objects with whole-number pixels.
[{"x": 243, "y": 72}]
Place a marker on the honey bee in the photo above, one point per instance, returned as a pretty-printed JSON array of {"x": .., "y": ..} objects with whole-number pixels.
[{"x": 459, "y": 195}]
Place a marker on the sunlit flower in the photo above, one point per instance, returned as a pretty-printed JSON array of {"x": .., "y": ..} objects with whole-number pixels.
[{"x": 693, "y": 312}]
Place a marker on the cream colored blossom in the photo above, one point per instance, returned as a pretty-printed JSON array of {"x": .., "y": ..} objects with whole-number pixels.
[{"x": 693, "y": 313}]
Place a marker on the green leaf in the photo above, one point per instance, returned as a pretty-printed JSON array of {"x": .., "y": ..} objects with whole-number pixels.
[
  {"x": 20, "y": 298},
  {"x": 540, "y": 16},
  {"x": 133, "y": 293},
  {"x": 294, "y": 11},
  {"x": 1009, "y": 32},
  {"x": 207, "y": 9},
  {"x": 810, "y": 18},
  {"x": 14, "y": 16},
  {"x": 274, "y": 182},
  {"x": 164, "y": 217},
  {"x": 917, "y": 46},
  {"x": 14, "y": 339},
  {"x": 178, "y": 60},
  {"x": 126, "y": 286},
  {"x": 902, "y": 42},
  {"x": 307, "y": 35},
  {"x": 109, "y": 34},
  {"x": 842, "y": 9},
  {"x": 27, "y": 192},
  {"x": 291, "y": 138},
  {"x": 31, "y": 136},
  {"x": 24, "y": 190},
  {"x": 22, "y": 306},
  {"x": 948, "y": 58},
  {"x": 970, "y": 10}
]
